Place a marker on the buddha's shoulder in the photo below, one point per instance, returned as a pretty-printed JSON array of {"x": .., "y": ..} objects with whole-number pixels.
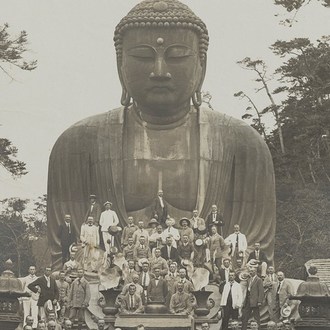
[{"x": 227, "y": 124}]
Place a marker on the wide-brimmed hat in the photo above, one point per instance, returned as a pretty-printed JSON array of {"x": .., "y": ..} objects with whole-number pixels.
[
  {"x": 186, "y": 220},
  {"x": 142, "y": 261},
  {"x": 106, "y": 203},
  {"x": 153, "y": 221},
  {"x": 286, "y": 311},
  {"x": 243, "y": 276},
  {"x": 113, "y": 230},
  {"x": 253, "y": 263},
  {"x": 92, "y": 196}
]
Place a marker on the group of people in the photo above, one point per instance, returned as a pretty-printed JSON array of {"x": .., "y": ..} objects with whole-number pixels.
[
  {"x": 55, "y": 303},
  {"x": 158, "y": 261}
]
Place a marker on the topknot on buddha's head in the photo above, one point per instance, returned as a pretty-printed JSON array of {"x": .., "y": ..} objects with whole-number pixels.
[{"x": 163, "y": 14}]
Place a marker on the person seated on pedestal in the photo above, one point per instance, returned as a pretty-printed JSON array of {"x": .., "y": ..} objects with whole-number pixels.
[
  {"x": 169, "y": 252},
  {"x": 215, "y": 218},
  {"x": 141, "y": 250},
  {"x": 141, "y": 231},
  {"x": 156, "y": 240},
  {"x": 131, "y": 303},
  {"x": 71, "y": 266},
  {"x": 158, "y": 262},
  {"x": 238, "y": 245},
  {"x": 152, "y": 225},
  {"x": 144, "y": 280},
  {"x": 224, "y": 272},
  {"x": 129, "y": 272},
  {"x": 157, "y": 288},
  {"x": 186, "y": 230},
  {"x": 260, "y": 256},
  {"x": 128, "y": 232},
  {"x": 188, "y": 287},
  {"x": 185, "y": 249},
  {"x": 90, "y": 239},
  {"x": 217, "y": 246},
  {"x": 180, "y": 303},
  {"x": 196, "y": 221},
  {"x": 139, "y": 289},
  {"x": 170, "y": 231},
  {"x": 128, "y": 251}
]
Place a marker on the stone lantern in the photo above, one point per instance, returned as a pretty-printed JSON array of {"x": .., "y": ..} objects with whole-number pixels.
[
  {"x": 10, "y": 290},
  {"x": 314, "y": 309}
]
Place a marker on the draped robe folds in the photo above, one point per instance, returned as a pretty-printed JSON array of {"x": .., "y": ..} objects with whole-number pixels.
[{"x": 235, "y": 172}]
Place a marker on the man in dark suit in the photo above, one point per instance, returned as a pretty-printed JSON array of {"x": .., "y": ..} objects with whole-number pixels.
[
  {"x": 157, "y": 289},
  {"x": 47, "y": 288},
  {"x": 168, "y": 252},
  {"x": 254, "y": 298},
  {"x": 67, "y": 237},
  {"x": 261, "y": 258},
  {"x": 94, "y": 210},
  {"x": 215, "y": 219},
  {"x": 160, "y": 208}
]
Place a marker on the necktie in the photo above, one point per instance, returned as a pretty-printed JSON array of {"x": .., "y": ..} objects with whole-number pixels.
[
  {"x": 132, "y": 303},
  {"x": 144, "y": 279},
  {"x": 257, "y": 255},
  {"x": 69, "y": 228},
  {"x": 278, "y": 288}
]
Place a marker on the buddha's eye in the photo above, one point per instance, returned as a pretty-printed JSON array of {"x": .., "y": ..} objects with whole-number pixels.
[
  {"x": 177, "y": 52},
  {"x": 143, "y": 53}
]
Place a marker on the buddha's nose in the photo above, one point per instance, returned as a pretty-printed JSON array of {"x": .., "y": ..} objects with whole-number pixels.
[{"x": 160, "y": 71}]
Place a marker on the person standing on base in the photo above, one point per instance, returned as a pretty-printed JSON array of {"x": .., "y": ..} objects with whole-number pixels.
[
  {"x": 30, "y": 303},
  {"x": 79, "y": 298},
  {"x": 94, "y": 210},
  {"x": 108, "y": 219},
  {"x": 47, "y": 288},
  {"x": 67, "y": 237},
  {"x": 254, "y": 298},
  {"x": 231, "y": 300},
  {"x": 160, "y": 208},
  {"x": 215, "y": 219}
]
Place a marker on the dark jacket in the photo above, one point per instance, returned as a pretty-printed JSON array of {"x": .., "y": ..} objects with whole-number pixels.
[
  {"x": 219, "y": 223},
  {"x": 46, "y": 293},
  {"x": 174, "y": 256},
  {"x": 66, "y": 238},
  {"x": 257, "y": 291}
]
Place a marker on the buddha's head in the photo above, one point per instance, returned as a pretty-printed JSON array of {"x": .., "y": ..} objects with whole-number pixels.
[{"x": 161, "y": 50}]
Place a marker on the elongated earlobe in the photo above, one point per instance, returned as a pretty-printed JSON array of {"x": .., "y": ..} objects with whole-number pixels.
[{"x": 125, "y": 97}]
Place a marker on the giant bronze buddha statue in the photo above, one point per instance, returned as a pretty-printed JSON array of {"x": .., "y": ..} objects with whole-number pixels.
[{"x": 161, "y": 137}]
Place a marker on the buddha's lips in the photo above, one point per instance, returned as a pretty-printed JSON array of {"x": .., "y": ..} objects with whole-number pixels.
[{"x": 160, "y": 88}]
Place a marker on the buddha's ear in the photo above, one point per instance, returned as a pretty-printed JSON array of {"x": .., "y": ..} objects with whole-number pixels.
[
  {"x": 197, "y": 96},
  {"x": 125, "y": 97}
]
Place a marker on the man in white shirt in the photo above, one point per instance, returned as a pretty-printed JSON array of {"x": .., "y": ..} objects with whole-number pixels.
[
  {"x": 238, "y": 245},
  {"x": 171, "y": 231},
  {"x": 30, "y": 306},
  {"x": 108, "y": 219},
  {"x": 196, "y": 221},
  {"x": 90, "y": 238},
  {"x": 231, "y": 300}
]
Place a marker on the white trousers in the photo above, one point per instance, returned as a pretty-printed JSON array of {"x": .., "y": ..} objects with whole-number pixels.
[
  {"x": 30, "y": 308},
  {"x": 107, "y": 237}
]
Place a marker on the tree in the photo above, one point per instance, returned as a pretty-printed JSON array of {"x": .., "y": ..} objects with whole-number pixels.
[
  {"x": 12, "y": 50},
  {"x": 19, "y": 228},
  {"x": 8, "y": 161},
  {"x": 305, "y": 116},
  {"x": 259, "y": 67}
]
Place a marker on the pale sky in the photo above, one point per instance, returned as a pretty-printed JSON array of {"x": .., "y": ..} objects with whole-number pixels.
[{"x": 76, "y": 75}]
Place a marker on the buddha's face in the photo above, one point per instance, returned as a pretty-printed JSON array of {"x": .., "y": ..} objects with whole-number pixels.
[{"x": 161, "y": 68}]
